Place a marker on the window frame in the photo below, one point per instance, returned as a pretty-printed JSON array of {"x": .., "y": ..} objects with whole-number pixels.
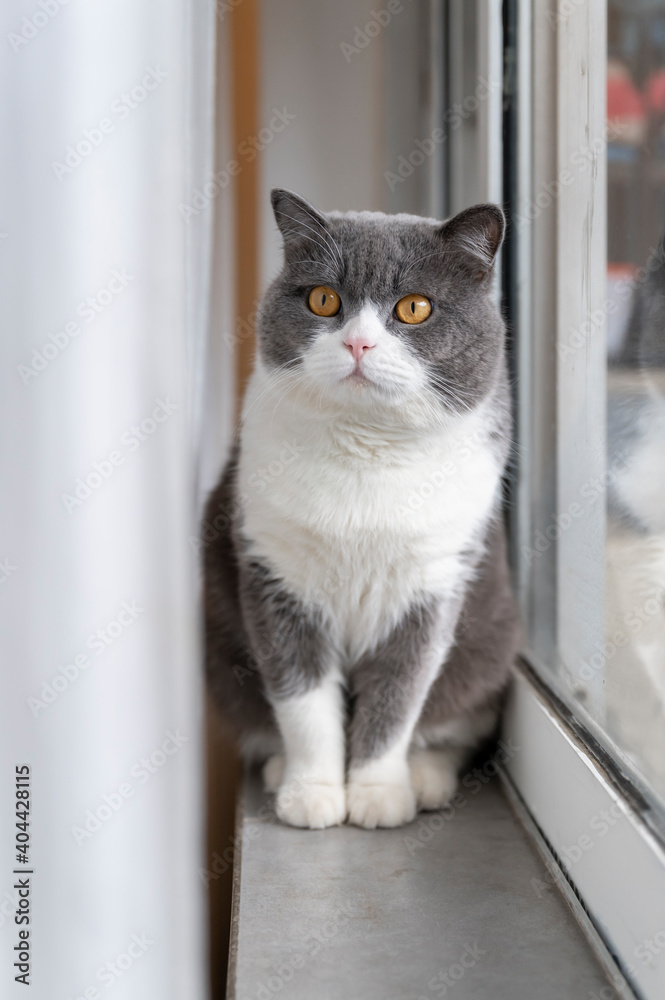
[{"x": 567, "y": 772}]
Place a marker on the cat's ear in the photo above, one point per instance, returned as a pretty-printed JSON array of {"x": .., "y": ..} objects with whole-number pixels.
[
  {"x": 475, "y": 236},
  {"x": 299, "y": 222}
]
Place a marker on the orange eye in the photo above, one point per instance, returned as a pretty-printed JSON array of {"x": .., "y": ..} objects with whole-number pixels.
[
  {"x": 413, "y": 309},
  {"x": 323, "y": 301}
]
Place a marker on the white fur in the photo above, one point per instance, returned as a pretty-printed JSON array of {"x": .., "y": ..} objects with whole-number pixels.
[
  {"x": 311, "y": 792},
  {"x": 381, "y": 805},
  {"x": 381, "y": 499},
  {"x": 379, "y": 792},
  {"x": 362, "y": 494},
  {"x": 438, "y": 752},
  {"x": 466, "y": 731},
  {"x": 311, "y": 805},
  {"x": 642, "y": 485},
  {"x": 434, "y": 775}
]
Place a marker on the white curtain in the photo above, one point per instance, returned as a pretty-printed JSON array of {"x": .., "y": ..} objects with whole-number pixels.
[{"x": 106, "y": 119}]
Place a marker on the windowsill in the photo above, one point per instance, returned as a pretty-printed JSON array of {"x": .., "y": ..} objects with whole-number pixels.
[{"x": 346, "y": 913}]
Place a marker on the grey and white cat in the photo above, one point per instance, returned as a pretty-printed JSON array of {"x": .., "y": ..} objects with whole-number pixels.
[{"x": 359, "y": 621}]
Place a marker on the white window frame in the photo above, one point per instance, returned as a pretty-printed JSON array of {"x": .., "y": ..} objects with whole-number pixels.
[{"x": 562, "y": 776}]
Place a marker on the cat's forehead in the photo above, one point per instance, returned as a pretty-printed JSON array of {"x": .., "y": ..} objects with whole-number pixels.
[
  {"x": 378, "y": 246},
  {"x": 381, "y": 220},
  {"x": 399, "y": 230}
]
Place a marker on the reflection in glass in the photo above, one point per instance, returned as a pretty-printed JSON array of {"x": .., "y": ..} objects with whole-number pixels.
[{"x": 633, "y": 659}]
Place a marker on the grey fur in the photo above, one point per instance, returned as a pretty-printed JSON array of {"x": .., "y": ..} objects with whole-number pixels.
[
  {"x": 383, "y": 257},
  {"x": 299, "y": 659},
  {"x": 632, "y": 417},
  {"x": 644, "y": 347},
  {"x": 259, "y": 637},
  {"x": 388, "y": 681}
]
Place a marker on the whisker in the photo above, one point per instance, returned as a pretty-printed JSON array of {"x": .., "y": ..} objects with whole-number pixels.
[
  {"x": 450, "y": 393},
  {"x": 323, "y": 246},
  {"x": 450, "y": 386},
  {"x": 275, "y": 377},
  {"x": 299, "y": 382},
  {"x": 332, "y": 263},
  {"x": 327, "y": 234}
]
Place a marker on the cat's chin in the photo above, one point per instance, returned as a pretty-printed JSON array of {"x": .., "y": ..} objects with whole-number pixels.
[
  {"x": 363, "y": 392},
  {"x": 362, "y": 389},
  {"x": 365, "y": 400},
  {"x": 357, "y": 386},
  {"x": 357, "y": 378}
]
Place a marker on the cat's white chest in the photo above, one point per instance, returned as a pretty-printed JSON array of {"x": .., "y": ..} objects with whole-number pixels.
[{"x": 365, "y": 532}]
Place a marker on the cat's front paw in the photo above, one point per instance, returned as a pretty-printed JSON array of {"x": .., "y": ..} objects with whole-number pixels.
[
  {"x": 310, "y": 805},
  {"x": 380, "y": 805}
]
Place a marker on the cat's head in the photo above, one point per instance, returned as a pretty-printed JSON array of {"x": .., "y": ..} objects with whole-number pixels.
[{"x": 383, "y": 312}]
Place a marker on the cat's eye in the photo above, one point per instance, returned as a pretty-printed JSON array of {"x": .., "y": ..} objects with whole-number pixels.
[
  {"x": 413, "y": 309},
  {"x": 324, "y": 301}
]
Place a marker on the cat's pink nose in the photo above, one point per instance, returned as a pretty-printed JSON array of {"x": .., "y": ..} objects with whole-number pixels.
[{"x": 358, "y": 345}]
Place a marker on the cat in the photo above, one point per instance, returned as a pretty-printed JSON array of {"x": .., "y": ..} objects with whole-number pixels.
[{"x": 360, "y": 626}]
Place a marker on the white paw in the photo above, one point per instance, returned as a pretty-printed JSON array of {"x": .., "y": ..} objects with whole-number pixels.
[
  {"x": 273, "y": 772},
  {"x": 380, "y": 805},
  {"x": 433, "y": 777},
  {"x": 315, "y": 806}
]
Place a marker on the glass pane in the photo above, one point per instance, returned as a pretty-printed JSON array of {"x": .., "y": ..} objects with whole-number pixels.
[
  {"x": 633, "y": 658},
  {"x": 590, "y": 528}
]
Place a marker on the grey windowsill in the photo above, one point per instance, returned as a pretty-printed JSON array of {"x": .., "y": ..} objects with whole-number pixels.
[{"x": 453, "y": 905}]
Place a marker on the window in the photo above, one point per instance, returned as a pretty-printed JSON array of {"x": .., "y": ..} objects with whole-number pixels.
[
  {"x": 587, "y": 277},
  {"x": 633, "y": 658}
]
